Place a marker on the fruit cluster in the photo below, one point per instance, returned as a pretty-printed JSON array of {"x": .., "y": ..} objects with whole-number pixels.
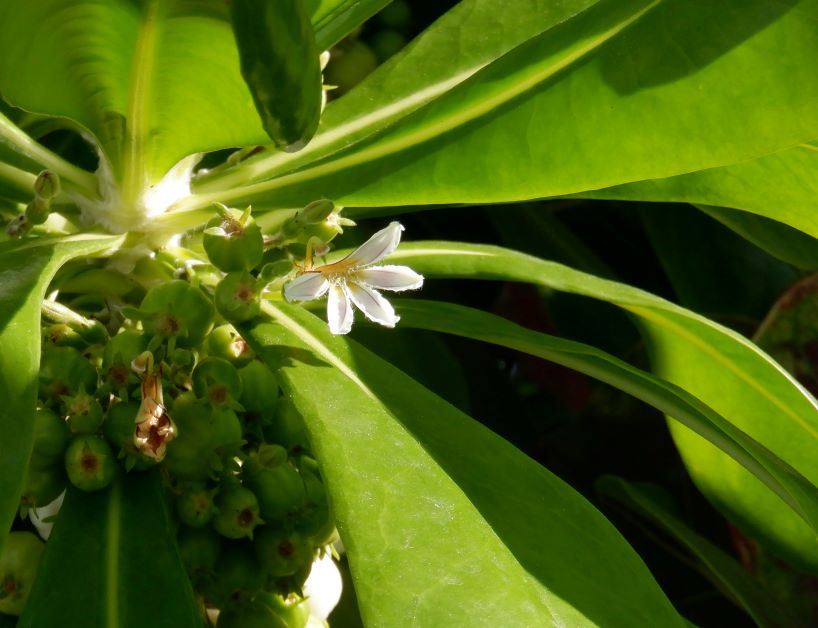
[{"x": 147, "y": 370}]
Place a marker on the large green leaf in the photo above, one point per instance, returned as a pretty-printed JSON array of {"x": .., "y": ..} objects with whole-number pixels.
[
  {"x": 25, "y": 270},
  {"x": 445, "y": 523},
  {"x": 731, "y": 375},
  {"x": 466, "y": 39},
  {"x": 724, "y": 571},
  {"x": 154, "y": 80},
  {"x": 111, "y": 562},
  {"x": 793, "y": 489},
  {"x": 782, "y": 186},
  {"x": 595, "y": 101}
]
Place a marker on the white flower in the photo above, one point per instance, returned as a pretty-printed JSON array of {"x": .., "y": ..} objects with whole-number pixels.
[{"x": 354, "y": 280}]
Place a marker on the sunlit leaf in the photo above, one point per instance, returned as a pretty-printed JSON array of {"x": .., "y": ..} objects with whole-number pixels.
[{"x": 432, "y": 506}]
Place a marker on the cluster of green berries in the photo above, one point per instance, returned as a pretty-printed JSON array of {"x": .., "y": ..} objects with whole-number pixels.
[{"x": 147, "y": 370}]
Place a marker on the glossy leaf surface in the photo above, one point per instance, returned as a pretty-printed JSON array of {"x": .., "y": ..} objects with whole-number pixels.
[
  {"x": 25, "y": 270},
  {"x": 782, "y": 186},
  {"x": 432, "y": 506},
  {"x": 593, "y": 102},
  {"x": 793, "y": 489},
  {"x": 133, "y": 73},
  {"x": 732, "y": 376},
  {"x": 111, "y": 562}
]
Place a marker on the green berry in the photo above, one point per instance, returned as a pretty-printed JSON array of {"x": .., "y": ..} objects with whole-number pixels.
[
  {"x": 217, "y": 381},
  {"x": 349, "y": 65},
  {"x": 43, "y": 486},
  {"x": 259, "y": 389},
  {"x": 288, "y": 428},
  {"x": 279, "y": 489},
  {"x": 281, "y": 553},
  {"x": 387, "y": 43},
  {"x": 84, "y": 413},
  {"x": 18, "y": 568},
  {"x": 233, "y": 242},
  {"x": 51, "y": 437},
  {"x": 195, "y": 506},
  {"x": 237, "y": 297},
  {"x": 176, "y": 310},
  {"x": 89, "y": 463},
  {"x": 226, "y": 343},
  {"x": 295, "y": 613},
  {"x": 119, "y": 353},
  {"x": 314, "y": 518},
  {"x": 199, "y": 549},
  {"x": 250, "y": 614},
  {"x": 238, "y": 574},
  {"x": 64, "y": 371},
  {"x": 238, "y": 513}
]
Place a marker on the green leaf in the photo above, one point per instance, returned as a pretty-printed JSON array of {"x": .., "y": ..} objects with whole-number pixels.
[
  {"x": 112, "y": 562},
  {"x": 25, "y": 269},
  {"x": 793, "y": 489},
  {"x": 595, "y": 101},
  {"x": 432, "y": 506},
  {"x": 724, "y": 571},
  {"x": 334, "y": 19},
  {"x": 779, "y": 240},
  {"x": 139, "y": 75},
  {"x": 466, "y": 39},
  {"x": 782, "y": 187},
  {"x": 279, "y": 63},
  {"x": 731, "y": 375}
]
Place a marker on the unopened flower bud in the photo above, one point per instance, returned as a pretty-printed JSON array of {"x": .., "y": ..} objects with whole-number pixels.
[
  {"x": 37, "y": 211},
  {"x": 47, "y": 185},
  {"x": 316, "y": 211}
]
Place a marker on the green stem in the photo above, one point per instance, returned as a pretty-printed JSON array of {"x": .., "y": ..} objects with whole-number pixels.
[
  {"x": 17, "y": 140},
  {"x": 21, "y": 180}
]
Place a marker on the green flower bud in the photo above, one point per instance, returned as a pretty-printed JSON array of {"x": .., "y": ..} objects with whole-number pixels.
[
  {"x": 37, "y": 211},
  {"x": 238, "y": 574},
  {"x": 260, "y": 389},
  {"x": 288, "y": 428},
  {"x": 119, "y": 428},
  {"x": 279, "y": 489},
  {"x": 47, "y": 185},
  {"x": 314, "y": 520},
  {"x": 43, "y": 486},
  {"x": 238, "y": 297},
  {"x": 195, "y": 505},
  {"x": 217, "y": 381},
  {"x": 294, "y": 612},
  {"x": 18, "y": 226},
  {"x": 84, "y": 413},
  {"x": 274, "y": 270},
  {"x": 64, "y": 371},
  {"x": 18, "y": 568},
  {"x": 199, "y": 549},
  {"x": 233, "y": 242},
  {"x": 62, "y": 335},
  {"x": 120, "y": 351},
  {"x": 281, "y": 553},
  {"x": 317, "y": 211},
  {"x": 176, "y": 310},
  {"x": 226, "y": 343},
  {"x": 89, "y": 463},
  {"x": 51, "y": 436},
  {"x": 238, "y": 513},
  {"x": 250, "y": 614}
]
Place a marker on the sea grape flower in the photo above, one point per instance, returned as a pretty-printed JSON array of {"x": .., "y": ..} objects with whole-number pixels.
[{"x": 354, "y": 279}]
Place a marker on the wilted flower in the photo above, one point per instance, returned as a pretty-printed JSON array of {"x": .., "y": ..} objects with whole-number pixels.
[{"x": 354, "y": 279}]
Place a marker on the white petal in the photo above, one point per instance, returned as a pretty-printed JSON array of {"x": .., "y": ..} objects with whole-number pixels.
[
  {"x": 395, "y": 278},
  {"x": 306, "y": 287},
  {"x": 339, "y": 310},
  {"x": 372, "y": 304},
  {"x": 376, "y": 248},
  {"x": 36, "y": 515},
  {"x": 323, "y": 587}
]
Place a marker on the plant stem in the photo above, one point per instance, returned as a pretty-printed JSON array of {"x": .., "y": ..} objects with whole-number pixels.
[{"x": 17, "y": 140}]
